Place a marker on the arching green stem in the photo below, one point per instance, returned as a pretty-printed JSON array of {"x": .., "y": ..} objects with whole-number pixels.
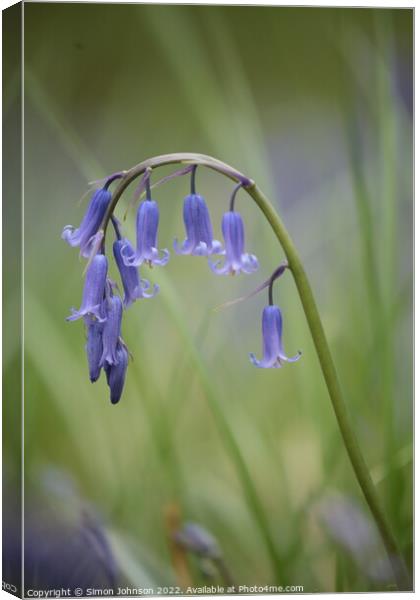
[
  {"x": 331, "y": 379},
  {"x": 315, "y": 326}
]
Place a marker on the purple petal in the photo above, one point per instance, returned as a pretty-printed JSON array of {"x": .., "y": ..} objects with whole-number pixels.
[
  {"x": 94, "y": 289},
  {"x": 111, "y": 330},
  {"x": 115, "y": 374},
  {"x": 94, "y": 348},
  {"x": 90, "y": 223}
]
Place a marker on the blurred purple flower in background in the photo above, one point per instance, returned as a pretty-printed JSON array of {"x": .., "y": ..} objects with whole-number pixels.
[
  {"x": 348, "y": 526},
  {"x": 65, "y": 539},
  {"x": 198, "y": 540}
]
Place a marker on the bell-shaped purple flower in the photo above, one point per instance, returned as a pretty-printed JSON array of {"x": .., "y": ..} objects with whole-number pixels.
[
  {"x": 134, "y": 287},
  {"x": 198, "y": 227},
  {"x": 111, "y": 330},
  {"x": 94, "y": 347},
  {"x": 273, "y": 352},
  {"x": 115, "y": 374},
  {"x": 147, "y": 230},
  {"x": 236, "y": 260},
  {"x": 93, "y": 291},
  {"x": 90, "y": 224}
]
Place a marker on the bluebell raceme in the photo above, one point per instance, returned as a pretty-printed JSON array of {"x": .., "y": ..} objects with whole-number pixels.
[{"x": 102, "y": 308}]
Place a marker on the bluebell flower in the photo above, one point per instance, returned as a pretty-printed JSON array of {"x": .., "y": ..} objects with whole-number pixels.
[
  {"x": 90, "y": 224},
  {"x": 111, "y": 330},
  {"x": 93, "y": 291},
  {"x": 134, "y": 287},
  {"x": 94, "y": 347},
  {"x": 115, "y": 374},
  {"x": 147, "y": 229},
  {"x": 236, "y": 260},
  {"x": 198, "y": 227},
  {"x": 273, "y": 352}
]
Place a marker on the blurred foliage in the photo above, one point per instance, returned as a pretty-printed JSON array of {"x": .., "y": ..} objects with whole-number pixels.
[{"x": 314, "y": 104}]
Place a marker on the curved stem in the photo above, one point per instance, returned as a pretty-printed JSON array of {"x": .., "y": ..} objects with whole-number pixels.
[
  {"x": 315, "y": 326},
  {"x": 170, "y": 159},
  {"x": 331, "y": 379}
]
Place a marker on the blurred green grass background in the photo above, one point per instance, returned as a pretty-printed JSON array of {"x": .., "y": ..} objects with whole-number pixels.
[{"x": 315, "y": 105}]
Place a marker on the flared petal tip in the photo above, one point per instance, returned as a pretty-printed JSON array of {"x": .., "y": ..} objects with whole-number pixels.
[
  {"x": 93, "y": 311},
  {"x": 204, "y": 249},
  {"x": 73, "y": 317},
  {"x": 185, "y": 248},
  {"x": 144, "y": 293},
  {"x": 161, "y": 262},
  {"x": 263, "y": 364},
  {"x": 70, "y": 235},
  {"x": 254, "y": 360},
  {"x": 218, "y": 268},
  {"x": 274, "y": 363},
  {"x": 292, "y": 358},
  {"x": 217, "y": 248},
  {"x": 130, "y": 258},
  {"x": 250, "y": 263}
]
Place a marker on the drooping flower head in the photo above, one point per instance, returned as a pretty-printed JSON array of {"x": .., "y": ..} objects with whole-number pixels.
[
  {"x": 273, "y": 352},
  {"x": 82, "y": 236},
  {"x": 236, "y": 260},
  {"x": 115, "y": 374},
  {"x": 198, "y": 227},
  {"x": 134, "y": 287},
  {"x": 147, "y": 229},
  {"x": 111, "y": 330},
  {"x": 94, "y": 347},
  {"x": 93, "y": 291}
]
